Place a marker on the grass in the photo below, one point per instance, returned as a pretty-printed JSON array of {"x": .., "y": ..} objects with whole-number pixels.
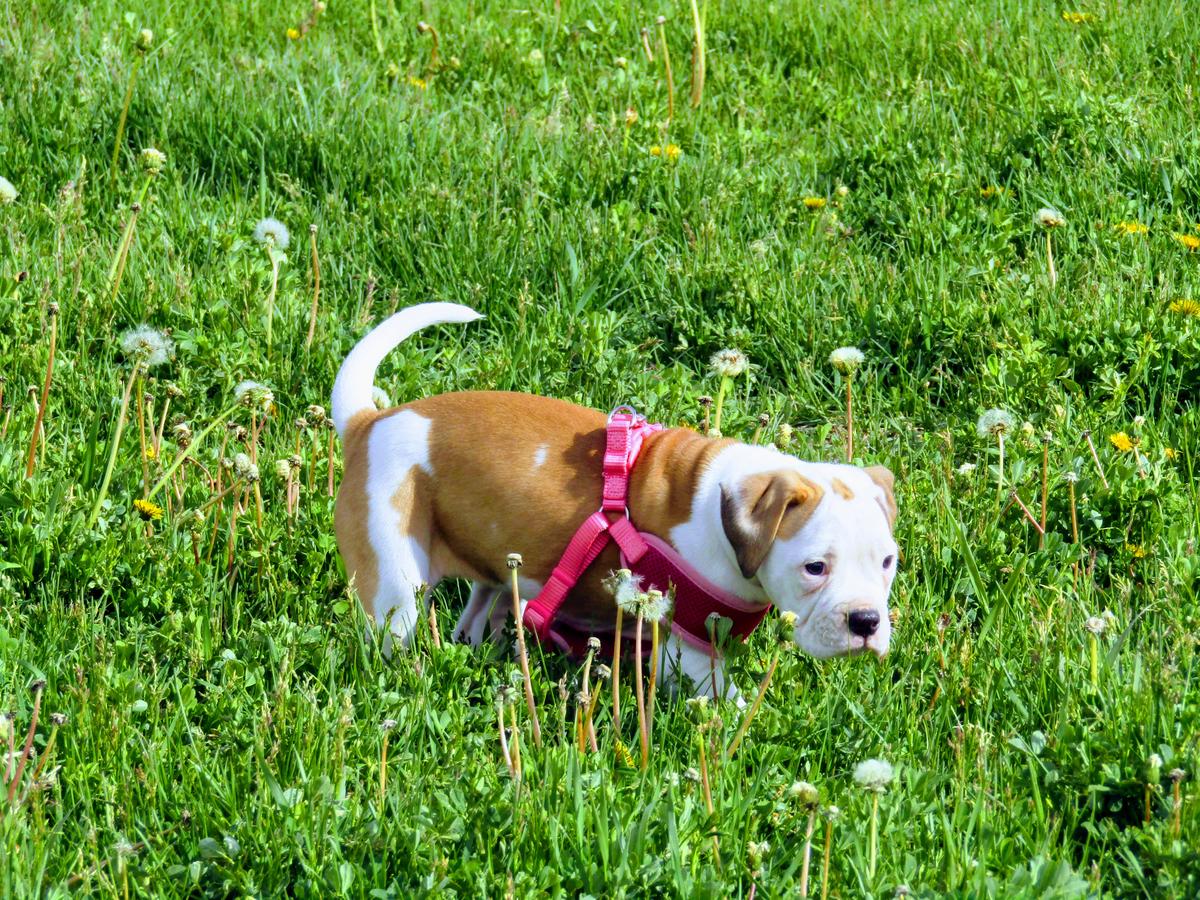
[{"x": 224, "y": 733}]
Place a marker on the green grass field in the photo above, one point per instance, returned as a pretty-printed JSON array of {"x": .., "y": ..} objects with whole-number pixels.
[{"x": 858, "y": 173}]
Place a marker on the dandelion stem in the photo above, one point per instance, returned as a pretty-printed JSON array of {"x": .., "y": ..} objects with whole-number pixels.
[
  {"x": 133, "y": 73},
  {"x": 874, "y": 834},
  {"x": 1074, "y": 515},
  {"x": 1045, "y": 491},
  {"x": 646, "y": 45},
  {"x": 383, "y": 769},
  {"x": 508, "y": 760},
  {"x": 750, "y": 713},
  {"x": 1094, "y": 660},
  {"x": 1050, "y": 261},
  {"x": 849, "y": 419},
  {"x": 643, "y": 731},
  {"x": 41, "y": 411},
  {"x": 707, "y": 786},
  {"x": 666, "y": 55},
  {"x": 37, "y": 705},
  {"x": 654, "y": 652},
  {"x": 375, "y": 29},
  {"x": 141, "y": 392},
  {"x": 616, "y": 675},
  {"x": 524, "y": 657},
  {"x": 812, "y": 822},
  {"x": 726, "y": 384},
  {"x": 825, "y": 860},
  {"x": 112, "y": 453},
  {"x": 312, "y": 315},
  {"x": 274, "y": 257},
  {"x": 187, "y": 451},
  {"x": 1087, "y": 436},
  {"x": 698, "y": 63},
  {"x": 1028, "y": 515}
]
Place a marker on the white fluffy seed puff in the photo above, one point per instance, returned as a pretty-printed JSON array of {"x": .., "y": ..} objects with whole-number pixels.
[
  {"x": 994, "y": 421},
  {"x": 873, "y": 775},
  {"x": 147, "y": 345},
  {"x": 8, "y": 193},
  {"x": 272, "y": 232},
  {"x": 729, "y": 363},
  {"x": 846, "y": 359}
]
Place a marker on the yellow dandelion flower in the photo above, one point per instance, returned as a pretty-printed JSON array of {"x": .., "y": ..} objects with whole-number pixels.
[
  {"x": 1171, "y": 453},
  {"x": 672, "y": 152},
  {"x": 293, "y": 34},
  {"x": 1078, "y": 18},
  {"x": 987, "y": 192},
  {"x": 1185, "y": 307},
  {"x": 419, "y": 83},
  {"x": 148, "y": 510},
  {"x": 1130, "y": 228},
  {"x": 623, "y": 755},
  {"x": 1190, "y": 241},
  {"x": 151, "y": 453},
  {"x": 1137, "y": 551},
  {"x": 656, "y": 150},
  {"x": 814, "y": 202},
  {"x": 1121, "y": 441}
]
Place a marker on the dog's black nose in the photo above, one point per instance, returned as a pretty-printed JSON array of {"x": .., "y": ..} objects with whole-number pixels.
[{"x": 863, "y": 622}]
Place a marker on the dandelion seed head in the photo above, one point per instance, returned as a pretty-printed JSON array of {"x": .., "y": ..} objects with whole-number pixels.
[
  {"x": 729, "y": 363},
  {"x": 805, "y": 794},
  {"x": 152, "y": 161},
  {"x": 846, "y": 359},
  {"x": 1095, "y": 625},
  {"x": 831, "y": 813},
  {"x": 656, "y": 606},
  {"x": 994, "y": 422},
  {"x": 8, "y": 193},
  {"x": 1177, "y": 775},
  {"x": 244, "y": 468},
  {"x": 145, "y": 40},
  {"x": 1048, "y": 217},
  {"x": 271, "y": 232},
  {"x": 283, "y": 468},
  {"x": 253, "y": 393},
  {"x": 626, "y": 589},
  {"x": 873, "y": 775},
  {"x": 966, "y": 468},
  {"x": 603, "y": 671},
  {"x": 147, "y": 346}
]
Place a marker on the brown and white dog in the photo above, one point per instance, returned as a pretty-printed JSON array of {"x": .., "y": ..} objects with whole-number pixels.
[{"x": 448, "y": 486}]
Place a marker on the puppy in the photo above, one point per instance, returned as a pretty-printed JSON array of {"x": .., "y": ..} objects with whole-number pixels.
[{"x": 447, "y": 486}]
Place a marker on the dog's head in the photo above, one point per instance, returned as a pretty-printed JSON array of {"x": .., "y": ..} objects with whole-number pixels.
[{"x": 818, "y": 540}]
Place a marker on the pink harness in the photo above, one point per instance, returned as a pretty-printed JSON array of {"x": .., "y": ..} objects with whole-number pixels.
[{"x": 646, "y": 555}]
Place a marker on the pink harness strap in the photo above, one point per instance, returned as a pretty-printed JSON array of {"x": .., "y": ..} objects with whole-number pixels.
[{"x": 646, "y": 555}]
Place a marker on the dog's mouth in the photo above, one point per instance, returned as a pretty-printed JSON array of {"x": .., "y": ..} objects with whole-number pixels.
[{"x": 862, "y": 646}]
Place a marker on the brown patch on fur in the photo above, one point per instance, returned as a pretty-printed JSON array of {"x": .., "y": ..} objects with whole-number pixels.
[
  {"x": 842, "y": 489},
  {"x": 486, "y": 498},
  {"x": 883, "y": 477},
  {"x": 350, "y": 521},
  {"x": 765, "y": 507}
]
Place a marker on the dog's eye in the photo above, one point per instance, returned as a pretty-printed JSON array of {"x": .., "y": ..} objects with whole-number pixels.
[
  {"x": 815, "y": 568},
  {"x": 887, "y": 563}
]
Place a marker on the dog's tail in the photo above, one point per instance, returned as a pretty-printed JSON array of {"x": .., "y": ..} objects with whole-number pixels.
[{"x": 356, "y": 378}]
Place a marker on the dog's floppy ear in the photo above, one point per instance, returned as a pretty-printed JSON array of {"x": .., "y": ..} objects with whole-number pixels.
[
  {"x": 762, "y": 507},
  {"x": 883, "y": 477}
]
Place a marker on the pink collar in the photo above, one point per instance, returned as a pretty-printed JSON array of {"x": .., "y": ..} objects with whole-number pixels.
[{"x": 646, "y": 555}]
